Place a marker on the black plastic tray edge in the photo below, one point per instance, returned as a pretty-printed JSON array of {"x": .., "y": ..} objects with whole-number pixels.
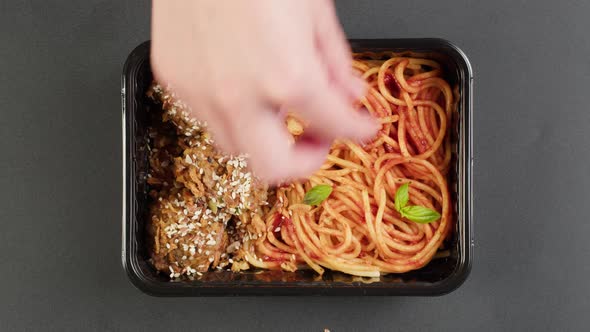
[{"x": 444, "y": 287}]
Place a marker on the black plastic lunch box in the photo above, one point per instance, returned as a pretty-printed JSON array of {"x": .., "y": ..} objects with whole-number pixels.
[{"x": 440, "y": 276}]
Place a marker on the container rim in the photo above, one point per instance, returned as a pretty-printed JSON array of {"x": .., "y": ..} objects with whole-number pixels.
[{"x": 465, "y": 237}]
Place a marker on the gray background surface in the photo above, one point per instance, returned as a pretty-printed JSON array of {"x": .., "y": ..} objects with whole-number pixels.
[{"x": 60, "y": 174}]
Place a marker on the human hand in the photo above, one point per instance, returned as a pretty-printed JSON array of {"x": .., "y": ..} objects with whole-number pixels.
[{"x": 237, "y": 64}]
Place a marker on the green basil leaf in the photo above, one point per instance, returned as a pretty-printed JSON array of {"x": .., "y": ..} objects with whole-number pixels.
[
  {"x": 317, "y": 194},
  {"x": 401, "y": 196},
  {"x": 419, "y": 214}
]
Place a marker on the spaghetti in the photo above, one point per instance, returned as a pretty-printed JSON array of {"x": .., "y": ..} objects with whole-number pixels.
[{"x": 357, "y": 230}]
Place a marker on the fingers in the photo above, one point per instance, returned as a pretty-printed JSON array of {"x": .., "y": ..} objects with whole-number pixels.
[
  {"x": 222, "y": 135},
  {"x": 323, "y": 95},
  {"x": 333, "y": 47},
  {"x": 327, "y": 112},
  {"x": 274, "y": 156},
  {"x": 216, "y": 119},
  {"x": 261, "y": 133}
]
